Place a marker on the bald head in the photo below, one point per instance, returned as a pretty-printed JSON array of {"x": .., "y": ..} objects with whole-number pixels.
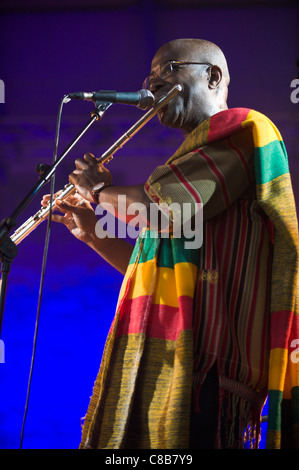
[
  {"x": 199, "y": 50},
  {"x": 204, "y": 78}
]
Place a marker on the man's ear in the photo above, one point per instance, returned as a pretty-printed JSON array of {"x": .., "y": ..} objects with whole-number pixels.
[{"x": 215, "y": 76}]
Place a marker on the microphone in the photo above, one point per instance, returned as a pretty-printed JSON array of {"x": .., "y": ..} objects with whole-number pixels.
[{"x": 143, "y": 99}]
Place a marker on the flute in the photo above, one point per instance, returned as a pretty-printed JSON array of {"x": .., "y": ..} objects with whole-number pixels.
[{"x": 30, "y": 224}]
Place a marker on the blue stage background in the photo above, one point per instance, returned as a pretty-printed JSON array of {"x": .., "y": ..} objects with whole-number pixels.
[{"x": 50, "y": 50}]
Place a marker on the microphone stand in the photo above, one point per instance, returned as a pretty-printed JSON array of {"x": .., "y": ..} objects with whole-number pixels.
[{"x": 8, "y": 249}]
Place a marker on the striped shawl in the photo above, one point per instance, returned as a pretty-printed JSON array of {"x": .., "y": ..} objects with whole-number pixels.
[{"x": 142, "y": 394}]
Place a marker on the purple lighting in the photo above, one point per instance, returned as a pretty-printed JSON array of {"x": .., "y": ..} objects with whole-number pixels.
[{"x": 45, "y": 54}]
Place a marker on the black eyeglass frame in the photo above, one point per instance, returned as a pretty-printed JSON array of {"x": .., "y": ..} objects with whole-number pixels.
[{"x": 146, "y": 82}]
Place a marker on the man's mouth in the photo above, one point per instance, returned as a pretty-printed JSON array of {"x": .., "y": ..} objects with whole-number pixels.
[
  {"x": 163, "y": 91},
  {"x": 158, "y": 95}
]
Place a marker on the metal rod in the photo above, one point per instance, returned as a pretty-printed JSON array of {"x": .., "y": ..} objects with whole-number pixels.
[{"x": 33, "y": 222}]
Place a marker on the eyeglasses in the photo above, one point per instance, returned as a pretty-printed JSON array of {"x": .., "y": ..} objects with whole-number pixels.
[{"x": 167, "y": 69}]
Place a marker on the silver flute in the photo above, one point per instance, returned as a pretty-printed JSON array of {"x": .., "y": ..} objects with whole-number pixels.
[{"x": 33, "y": 221}]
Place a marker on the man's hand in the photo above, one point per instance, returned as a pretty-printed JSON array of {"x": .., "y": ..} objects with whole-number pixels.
[
  {"x": 88, "y": 173},
  {"x": 79, "y": 216}
]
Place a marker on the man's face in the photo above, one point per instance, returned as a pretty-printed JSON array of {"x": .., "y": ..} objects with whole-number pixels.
[{"x": 190, "y": 106}]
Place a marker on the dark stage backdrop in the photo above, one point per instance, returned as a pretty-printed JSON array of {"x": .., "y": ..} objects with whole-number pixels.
[{"x": 46, "y": 52}]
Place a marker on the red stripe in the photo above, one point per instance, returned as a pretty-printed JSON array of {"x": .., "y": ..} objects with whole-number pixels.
[
  {"x": 185, "y": 183},
  {"x": 218, "y": 175},
  {"x": 264, "y": 357},
  {"x": 242, "y": 157},
  {"x": 197, "y": 317},
  {"x": 236, "y": 288},
  {"x": 294, "y": 334},
  {"x": 209, "y": 324},
  {"x": 281, "y": 324},
  {"x": 149, "y": 191},
  {"x": 239, "y": 262},
  {"x": 210, "y": 290},
  {"x": 209, "y": 248},
  {"x": 253, "y": 306},
  {"x": 226, "y": 123},
  {"x": 210, "y": 320},
  {"x": 229, "y": 226},
  {"x": 164, "y": 322}
]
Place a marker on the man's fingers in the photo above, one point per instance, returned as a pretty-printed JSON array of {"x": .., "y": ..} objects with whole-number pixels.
[
  {"x": 76, "y": 200},
  {"x": 83, "y": 163},
  {"x": 65, "y": 207},
  {"x": 46, "y": 198},
  {"x": 59, "y": 218},
  {"x": 89, "y": 157}
]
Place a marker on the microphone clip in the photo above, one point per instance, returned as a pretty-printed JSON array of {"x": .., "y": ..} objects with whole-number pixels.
[{"x": 100, "y": 108}]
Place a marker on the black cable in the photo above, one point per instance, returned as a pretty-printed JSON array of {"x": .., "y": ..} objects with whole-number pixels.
[{"x": 44, "y": 261}]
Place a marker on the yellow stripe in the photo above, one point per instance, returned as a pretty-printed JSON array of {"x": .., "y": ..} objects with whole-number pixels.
[
  {"x": 157, "y": 422},
  {"x": 273, "y": 439},
  {"x": 264, "y": 131},
  {"x": 282, "y": 202},
  {"x": 170, "y": 283},
  {"x": 165, "y": 288},
  {"x": 185, "y": 278},
  {"x": 277, "y": 369},
  {"x": 166, "y": 291},
  {"x": 125, "y": 280}
]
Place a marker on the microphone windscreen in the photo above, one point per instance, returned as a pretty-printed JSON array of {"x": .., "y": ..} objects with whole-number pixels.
[{"x": 146, "y": 99}]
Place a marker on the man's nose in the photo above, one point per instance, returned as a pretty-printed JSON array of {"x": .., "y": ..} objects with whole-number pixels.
[{"x": 156, "y": 82}]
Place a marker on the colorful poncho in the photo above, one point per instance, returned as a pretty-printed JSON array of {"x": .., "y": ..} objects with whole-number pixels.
[{"x": 142, "y": 394}]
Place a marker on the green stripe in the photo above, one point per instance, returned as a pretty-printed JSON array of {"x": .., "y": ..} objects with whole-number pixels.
[
  {"x": 169, "y": 250},
  {"x": 274, "y": 420},
  {"x": 150, "y": 244},
  {"x": 173, "y": 251},
  {"x": 270, "y": 162}
]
